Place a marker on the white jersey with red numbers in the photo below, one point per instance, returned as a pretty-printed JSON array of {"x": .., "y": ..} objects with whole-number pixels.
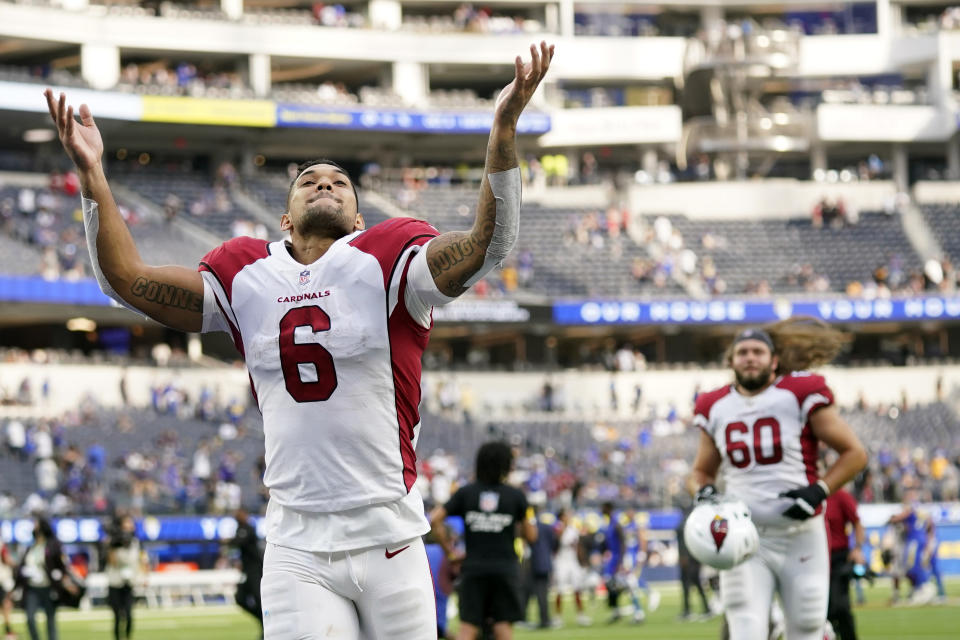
[
  {"x": 765, "y": 441},
  {"x": 333, "y": 349}
]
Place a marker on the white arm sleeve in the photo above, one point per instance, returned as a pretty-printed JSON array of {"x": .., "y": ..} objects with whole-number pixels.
[
  {"x": 422, "y": 294},
  {"x": 91, "y": 227},
  {"x": 507, "y": 189},
  {"x": 213, "y": 318}
]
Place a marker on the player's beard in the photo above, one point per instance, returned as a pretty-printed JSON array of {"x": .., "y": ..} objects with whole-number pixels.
[
  {"x": 754, "y": 382},
  {"x": 324, "y": 219}
]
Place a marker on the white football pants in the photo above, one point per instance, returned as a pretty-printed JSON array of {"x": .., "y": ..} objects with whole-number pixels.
[
  {"x": 371, "y": 594},
  {"x": 794, "y": 562}
]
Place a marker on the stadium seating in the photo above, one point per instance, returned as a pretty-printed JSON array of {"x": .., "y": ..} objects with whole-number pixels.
[
  {"x": 56, "y": 223},
  {"x": 750, "y": 250},
  {"x": 562, "y": 266},
  {"x": 202, "y": 202},
  {"x": 944, "y": 221},
  {"x": 163, "y": 445}
]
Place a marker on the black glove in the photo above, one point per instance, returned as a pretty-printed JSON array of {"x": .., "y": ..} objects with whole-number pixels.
[
  {"x": 805, "y": 500},
  {"x": 707, "y": 493}
]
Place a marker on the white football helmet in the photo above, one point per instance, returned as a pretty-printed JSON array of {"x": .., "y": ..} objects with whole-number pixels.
[{"x": 721, "y": 534}]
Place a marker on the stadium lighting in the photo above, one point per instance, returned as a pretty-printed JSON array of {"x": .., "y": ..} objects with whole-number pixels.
[
  {"x": 39, "y": 135},
  {"x": 781, "y": 143},
  {"x": 81, "y": 324}
]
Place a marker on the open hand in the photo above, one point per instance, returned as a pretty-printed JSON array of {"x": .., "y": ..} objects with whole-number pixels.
[
  {"x": 526, "y": 79},
  {"x": 81, "y": 142}
]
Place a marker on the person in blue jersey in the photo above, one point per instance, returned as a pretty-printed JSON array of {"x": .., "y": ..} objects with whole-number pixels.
[
  {"x": 920, "y": 550},
  {"x": 635, "y": 537},
  {"x": 443, "y": 572},
  {"x": 614, "y": 571}
]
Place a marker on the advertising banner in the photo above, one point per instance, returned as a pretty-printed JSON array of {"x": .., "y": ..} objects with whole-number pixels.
[
  {"x": 237, "y": 113},
  {"x": 755, "y": 311},
  {"x": 320, "y": 117}
]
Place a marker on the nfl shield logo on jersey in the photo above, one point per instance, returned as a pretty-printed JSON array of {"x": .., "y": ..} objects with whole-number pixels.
[
  {"x": 718, "y": 529},
  {"x": 304, "y": 277},
  {"x": 489, "y": 501}
]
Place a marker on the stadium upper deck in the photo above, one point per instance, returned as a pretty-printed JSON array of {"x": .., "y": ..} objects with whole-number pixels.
[{"x": 816, "y": 81}]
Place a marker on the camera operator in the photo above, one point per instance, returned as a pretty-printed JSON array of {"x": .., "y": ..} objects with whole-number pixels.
[
  {"x": 46, "y": 579},
  {"x": 126, "y": 565}
]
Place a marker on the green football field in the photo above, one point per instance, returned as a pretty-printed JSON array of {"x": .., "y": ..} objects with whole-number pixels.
[{"x": 875, "y": 621}]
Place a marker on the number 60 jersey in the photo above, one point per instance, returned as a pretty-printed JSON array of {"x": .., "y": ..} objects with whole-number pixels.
[
  {"x": 333, "y": 349},
  {"x": 765, "y": 441}
]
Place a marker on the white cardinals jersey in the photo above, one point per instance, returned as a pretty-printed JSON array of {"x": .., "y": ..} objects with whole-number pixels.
[
  {"x": 334, "y": 359},
  {"x": 765, "y": 441}
]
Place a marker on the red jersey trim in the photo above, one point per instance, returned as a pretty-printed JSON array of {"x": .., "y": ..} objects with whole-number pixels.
[
  {"x": 387, "y": 241},
  {"x": 407, "y": 343},
  {"x": 229, "y": 259},
  {"x": 707, "y": 399},
  {"x": 805, "y": 385}
]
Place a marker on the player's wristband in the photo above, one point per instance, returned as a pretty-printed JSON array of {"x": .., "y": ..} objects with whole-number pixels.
[
  {"x": 707, "y": 493},
  {"x": 825, "y": 487}
]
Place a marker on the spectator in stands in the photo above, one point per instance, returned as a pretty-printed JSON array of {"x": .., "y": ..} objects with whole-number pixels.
[{"x": 16, "y": 438}]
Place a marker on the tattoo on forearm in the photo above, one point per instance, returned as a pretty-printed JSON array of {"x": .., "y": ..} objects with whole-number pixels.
[
  {"x": 455, "y": 253},
  {"x": 501, "y": 154},
  {"x": 167, "y": 295}
]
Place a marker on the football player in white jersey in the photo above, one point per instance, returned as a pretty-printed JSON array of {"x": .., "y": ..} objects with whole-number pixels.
[
  {"x": 569, "y": 570},
  {"x": 763, "y": 432},
  {"x": 332, "y": 324}
]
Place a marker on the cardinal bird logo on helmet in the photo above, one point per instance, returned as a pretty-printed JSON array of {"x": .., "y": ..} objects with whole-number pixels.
[{"x": 718, "y": 529}]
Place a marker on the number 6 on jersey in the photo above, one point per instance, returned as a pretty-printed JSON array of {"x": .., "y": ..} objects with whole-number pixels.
[{"x": 297, "y": 359}]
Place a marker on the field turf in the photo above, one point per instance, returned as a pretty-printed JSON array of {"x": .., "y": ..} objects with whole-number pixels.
[{"x": 875, "y": 621}]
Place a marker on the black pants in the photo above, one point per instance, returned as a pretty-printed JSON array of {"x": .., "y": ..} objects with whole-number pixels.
[
  {"x": 248, "y": 596},
  {"x": 121, "y": 601},
  {"x": 537, "y": 586},
  {"x": 838, "y": 610},
  {"x": 690, "y": 577},
  {"x": 34, "y": 599}
]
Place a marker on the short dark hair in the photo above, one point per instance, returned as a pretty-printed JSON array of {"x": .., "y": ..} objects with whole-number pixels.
[
  {"x": 493, "y": 462},
  {"x": 44, "y": 527},
  {"x": 303, "y": 166}
]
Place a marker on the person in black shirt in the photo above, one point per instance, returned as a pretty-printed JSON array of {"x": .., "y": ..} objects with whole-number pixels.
[
  {"x": 126, "y": 566},
  {"x": 491, "y": 512},
  {"x": 251, "y": 564}
]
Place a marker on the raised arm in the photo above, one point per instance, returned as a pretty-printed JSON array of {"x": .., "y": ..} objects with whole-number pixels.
[
  {"x": 458, "y": 259},
  {"x": 171, "y": 295}
]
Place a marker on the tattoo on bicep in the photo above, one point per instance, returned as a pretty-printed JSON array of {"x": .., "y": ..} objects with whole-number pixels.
[{"x": 167, "y": 295}]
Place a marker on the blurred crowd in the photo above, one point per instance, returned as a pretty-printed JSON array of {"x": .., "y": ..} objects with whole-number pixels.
[
  {"x": 185, "y": 454},
  {"x": 50, "y": 220},
  {"x": 471, "y": 18}
]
